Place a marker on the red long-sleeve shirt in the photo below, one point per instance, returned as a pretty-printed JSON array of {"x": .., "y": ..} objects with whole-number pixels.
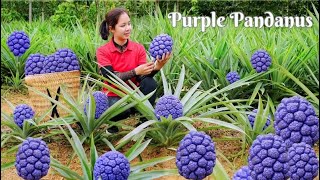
[{"x": 133, "y": 56}]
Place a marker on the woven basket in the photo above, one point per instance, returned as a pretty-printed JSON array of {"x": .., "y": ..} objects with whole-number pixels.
[{"x": 49, "y": 84}]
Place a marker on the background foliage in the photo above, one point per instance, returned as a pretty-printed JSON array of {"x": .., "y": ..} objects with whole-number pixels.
[{"x": 64, "y": 12}]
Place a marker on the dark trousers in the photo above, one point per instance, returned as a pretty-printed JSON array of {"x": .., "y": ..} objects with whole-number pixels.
[{"x": 147, "y": 85}]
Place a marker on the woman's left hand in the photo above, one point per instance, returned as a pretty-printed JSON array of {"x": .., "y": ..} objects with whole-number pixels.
[{"x": 159, "y": 63}]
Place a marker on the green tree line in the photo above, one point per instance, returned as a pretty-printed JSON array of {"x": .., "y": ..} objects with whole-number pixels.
[{"x": 67, "y": 11}]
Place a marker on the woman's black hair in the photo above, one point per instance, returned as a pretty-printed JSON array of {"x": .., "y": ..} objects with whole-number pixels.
[{"x": 111, "y": 19}]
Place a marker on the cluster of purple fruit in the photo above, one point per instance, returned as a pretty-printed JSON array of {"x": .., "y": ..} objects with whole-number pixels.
[
  {"x": 62, "y": 60},
  {"x": 260, "y": 61},
  {"x": 288, "y": 153}
]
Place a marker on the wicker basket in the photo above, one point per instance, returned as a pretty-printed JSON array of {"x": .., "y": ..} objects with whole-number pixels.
[{"x": 49, "y": 84}]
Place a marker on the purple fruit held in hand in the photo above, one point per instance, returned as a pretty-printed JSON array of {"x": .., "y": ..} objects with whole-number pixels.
[{"x": 160, "y": 44}]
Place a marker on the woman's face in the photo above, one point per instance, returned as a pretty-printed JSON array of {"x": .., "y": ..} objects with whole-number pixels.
[{"x": 122, "y": 29}]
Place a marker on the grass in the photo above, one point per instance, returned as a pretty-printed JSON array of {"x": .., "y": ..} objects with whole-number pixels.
[{"x": 208, "y": 56}]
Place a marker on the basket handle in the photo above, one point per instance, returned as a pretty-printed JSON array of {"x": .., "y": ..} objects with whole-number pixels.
[{"x": 54, "y": 110}]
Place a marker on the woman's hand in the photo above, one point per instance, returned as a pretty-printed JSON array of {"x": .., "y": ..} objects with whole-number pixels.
[
  {"x": 144, "y": 69},
  {"x": 159, "y": 63}
]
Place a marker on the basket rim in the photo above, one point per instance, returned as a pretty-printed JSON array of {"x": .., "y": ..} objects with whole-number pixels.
[{"x": 76, "y": 72}]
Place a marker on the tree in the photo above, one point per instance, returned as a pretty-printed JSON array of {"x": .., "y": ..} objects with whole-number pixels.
[{"x": 30, "y": 11}]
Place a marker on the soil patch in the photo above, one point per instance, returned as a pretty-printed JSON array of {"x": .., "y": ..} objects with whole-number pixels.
[{"x": 62, "y": 151}]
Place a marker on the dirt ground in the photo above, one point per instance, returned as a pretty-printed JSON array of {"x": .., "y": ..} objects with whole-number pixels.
[{"x": 62, "y": 150}]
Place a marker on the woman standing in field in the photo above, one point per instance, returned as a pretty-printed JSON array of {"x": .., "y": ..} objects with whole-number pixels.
[{"x": 126, "y": 59}]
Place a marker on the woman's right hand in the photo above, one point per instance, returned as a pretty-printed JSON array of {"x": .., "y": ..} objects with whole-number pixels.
[{"x": 144, "y": 69}]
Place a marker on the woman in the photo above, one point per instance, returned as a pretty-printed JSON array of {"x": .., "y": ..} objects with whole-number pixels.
[{"x": 126, "y": 59}]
